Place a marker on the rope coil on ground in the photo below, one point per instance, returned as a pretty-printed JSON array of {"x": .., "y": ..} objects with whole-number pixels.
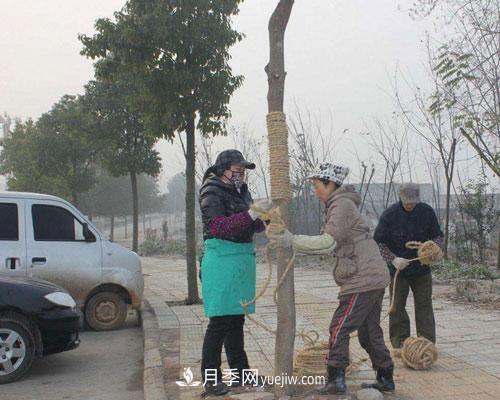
[
  {"x": 310, "y": 361},
  {"x": 418, "y": 353}
]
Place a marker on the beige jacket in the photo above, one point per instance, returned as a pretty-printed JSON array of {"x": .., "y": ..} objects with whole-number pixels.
[
  {"x": 359, "y": 267},
  {"x": 358, "y": 264}
]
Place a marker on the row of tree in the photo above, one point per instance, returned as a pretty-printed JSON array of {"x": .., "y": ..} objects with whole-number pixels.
[{"x": 161, "y": 71}]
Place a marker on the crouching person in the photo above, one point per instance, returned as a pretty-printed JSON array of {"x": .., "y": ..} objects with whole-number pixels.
[{"x": 359, "y": 271}]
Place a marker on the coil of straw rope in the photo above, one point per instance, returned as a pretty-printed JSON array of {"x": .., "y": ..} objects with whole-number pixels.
[
  {"x": 310, "y": 361},
  {"x": 418, "y": 353},
  {"x": 428, "y": 253}
]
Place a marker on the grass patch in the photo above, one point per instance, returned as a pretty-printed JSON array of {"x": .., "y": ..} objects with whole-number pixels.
[
  {"x": 447, "y": 269},
  {"x": 157, "y": 247}
]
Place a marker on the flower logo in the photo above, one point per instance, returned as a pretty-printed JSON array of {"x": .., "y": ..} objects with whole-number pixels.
[{"x": 188, "y": 379}]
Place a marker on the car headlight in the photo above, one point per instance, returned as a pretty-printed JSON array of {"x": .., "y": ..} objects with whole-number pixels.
[{"x": 61, "y": 299}]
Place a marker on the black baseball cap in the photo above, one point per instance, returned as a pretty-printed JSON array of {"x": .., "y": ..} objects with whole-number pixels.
[{"x": 232, "y": 156}]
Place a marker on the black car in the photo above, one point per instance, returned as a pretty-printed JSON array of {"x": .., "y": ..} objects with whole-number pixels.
[{"x": 37, "y": 318}]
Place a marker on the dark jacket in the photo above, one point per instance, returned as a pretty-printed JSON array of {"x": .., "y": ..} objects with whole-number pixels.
[
  {"x": 397, "y": 227},
  {"x": 222, "y": 199}
]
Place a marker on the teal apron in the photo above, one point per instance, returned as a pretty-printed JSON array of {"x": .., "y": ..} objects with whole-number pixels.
[{"x": 227, "y": 277}]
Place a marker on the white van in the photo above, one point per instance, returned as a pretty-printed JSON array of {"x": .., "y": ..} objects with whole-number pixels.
[{"x": 45, "y": 237}]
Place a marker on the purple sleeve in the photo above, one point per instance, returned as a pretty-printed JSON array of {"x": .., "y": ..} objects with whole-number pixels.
[
  {"x": 225, "y": 227},
  {"x": 259, "y": 226},
  {"x": 386, "y": 253}
]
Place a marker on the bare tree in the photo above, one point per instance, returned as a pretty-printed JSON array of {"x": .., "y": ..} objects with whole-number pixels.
[
  {"x": 310, "y": 144},
  {"x": 389, "y": 140},
  {"x": 435, "y": 122},
  {"x": 469, "y": 69},
  {"x": 254, "y": 149},
  {"x": 275, "y": 70},
  {"x": 204, "y": 156}
]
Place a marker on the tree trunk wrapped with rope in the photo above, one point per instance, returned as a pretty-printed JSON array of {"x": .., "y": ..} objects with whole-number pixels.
[{"x": 280, "y": 188}]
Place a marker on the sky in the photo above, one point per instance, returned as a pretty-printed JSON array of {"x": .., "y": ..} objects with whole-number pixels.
[{"x": 340, "y": 56}]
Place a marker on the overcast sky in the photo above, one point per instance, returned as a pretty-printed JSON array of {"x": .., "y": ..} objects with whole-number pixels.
[{"x": 340, "y": 55}]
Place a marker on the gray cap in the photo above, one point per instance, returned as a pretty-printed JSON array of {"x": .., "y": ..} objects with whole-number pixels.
[{"x": 409, "y": 193}]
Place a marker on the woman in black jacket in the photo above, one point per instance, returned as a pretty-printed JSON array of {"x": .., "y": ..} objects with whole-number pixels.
[{"x": 228, "y": 265}]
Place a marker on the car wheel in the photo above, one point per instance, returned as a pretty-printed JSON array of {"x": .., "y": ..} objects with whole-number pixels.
[
  {"x": 17, "y": 347},
  {"x": 106, "y": 311}
]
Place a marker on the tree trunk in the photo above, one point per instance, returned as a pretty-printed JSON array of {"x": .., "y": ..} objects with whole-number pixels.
[
  {"x": 447, "y": 219},
  {"x": 285, "y": 331},
  {"x": 112, "y": 229},
  {"x": 190, "y": 216},
  {"x": 498, "y": 251},
  {"x": 126, "y": 226},
  {"x": 449, "y": 171},
  {"x": 135, "y": 213},
  {"x": 144, "y": 224}
]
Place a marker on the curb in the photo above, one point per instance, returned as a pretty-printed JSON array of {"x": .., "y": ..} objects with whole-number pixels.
[{"x": 153, "y": 386}]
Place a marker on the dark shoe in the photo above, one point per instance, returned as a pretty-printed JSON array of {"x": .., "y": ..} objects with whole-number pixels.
[
  {"x": 249, "y": 380},
  {"x": 219, "y": 389},
  {"x": 385, "y": 381},
  {"x": 335, "y": 383}
]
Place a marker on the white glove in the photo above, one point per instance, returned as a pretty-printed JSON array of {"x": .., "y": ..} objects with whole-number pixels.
[
  {"x": 400, "y": 263},
  {"x": 284, "y": 239},
  {"x": 262, "y": 205}
]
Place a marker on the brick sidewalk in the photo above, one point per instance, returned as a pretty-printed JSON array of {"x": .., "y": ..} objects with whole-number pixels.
[{"x": 468, "y": 339}]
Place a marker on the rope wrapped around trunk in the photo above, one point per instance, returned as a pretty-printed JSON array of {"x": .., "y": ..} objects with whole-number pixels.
[{"x": 279, "y": 162}]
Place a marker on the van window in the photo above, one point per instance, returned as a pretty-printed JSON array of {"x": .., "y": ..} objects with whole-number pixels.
[
  {"x": 56, "y": 224},
  {"x": 9, "y": 226}
]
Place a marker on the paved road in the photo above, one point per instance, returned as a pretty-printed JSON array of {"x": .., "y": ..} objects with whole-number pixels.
[
  {"x": 106, "y": 366},
  {"x": 468, "y": 366}
]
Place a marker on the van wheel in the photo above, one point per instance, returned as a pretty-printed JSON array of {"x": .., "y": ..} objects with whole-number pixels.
[
  {"x": 106, "y": 311},
  {"x": 17, "y": 347}
]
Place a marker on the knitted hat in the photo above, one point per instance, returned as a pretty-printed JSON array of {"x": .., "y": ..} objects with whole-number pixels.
[{"x": 331, "y": 172}]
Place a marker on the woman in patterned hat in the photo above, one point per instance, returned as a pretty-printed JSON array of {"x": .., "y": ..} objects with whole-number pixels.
[{"x": 359, "y": 271}]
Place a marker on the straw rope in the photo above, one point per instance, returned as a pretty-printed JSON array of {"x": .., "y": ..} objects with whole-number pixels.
[
  {"x": 274, "y": 228},
  {"x": 279, "y": 161},
  {"x": 418, "y": 353},
  {"x": 428, "y": 253}
]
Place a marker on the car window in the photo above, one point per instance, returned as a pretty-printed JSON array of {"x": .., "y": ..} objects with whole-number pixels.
[
  {"x": 9, "y": 225},
  {"x": 55, "y": 223}
]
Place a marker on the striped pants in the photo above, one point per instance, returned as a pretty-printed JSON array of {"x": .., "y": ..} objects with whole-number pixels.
[{"x": 361, "y": 312}]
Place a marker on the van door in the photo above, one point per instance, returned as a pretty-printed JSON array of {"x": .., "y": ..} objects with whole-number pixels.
[
  {"x": 58, "y": 250},
  {"x": 12, "y": 237}
]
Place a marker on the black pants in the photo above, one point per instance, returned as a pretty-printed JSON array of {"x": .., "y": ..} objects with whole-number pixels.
[
  {"x": 399, "y": 321},
  {"x": 226, "y": 330}
]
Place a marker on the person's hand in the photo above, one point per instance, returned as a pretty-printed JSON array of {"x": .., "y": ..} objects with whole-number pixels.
[
  {"x": 400, "y": 263},
  {"x": 284, "y": 239},
  {"x": 260, "y": 207}
]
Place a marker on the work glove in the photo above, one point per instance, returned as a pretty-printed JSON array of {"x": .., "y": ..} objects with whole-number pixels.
[
  {"x": 400, "y": 263},
  {"x": 260, "y": 207}
]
